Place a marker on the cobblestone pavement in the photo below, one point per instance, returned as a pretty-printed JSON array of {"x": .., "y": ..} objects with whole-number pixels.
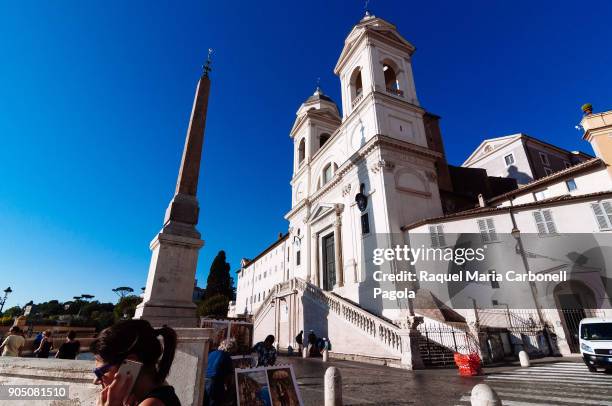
[
  {"x": 366, "y": 384},
  {"x": 547, "y": 382}
]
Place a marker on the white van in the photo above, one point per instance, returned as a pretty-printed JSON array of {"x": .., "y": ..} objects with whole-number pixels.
[{"x": 596, "y": 342}]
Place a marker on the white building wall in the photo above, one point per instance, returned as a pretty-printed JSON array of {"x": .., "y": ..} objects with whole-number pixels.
[
  {"x": 255, "y": 280},
  {"x": 495, "y": 164},
  {"x": 590, "y": 182}
]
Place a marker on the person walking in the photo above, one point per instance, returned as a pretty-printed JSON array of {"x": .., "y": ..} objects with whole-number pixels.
[
  {"x": 13, "y": 343},
  {"x": 299, "y": 339},
  {"x": 312, "y": 344},
  {"x": 266, "y": 353},
  {"x": 45, "y": 347},
  {"x": 220, "y": 374},
  {"x": 70, "y": 349}
]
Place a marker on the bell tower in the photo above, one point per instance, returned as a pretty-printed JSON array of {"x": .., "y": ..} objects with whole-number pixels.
[
  {"x": 378, "y": 91},
  {"x": 316, "y": 121}
]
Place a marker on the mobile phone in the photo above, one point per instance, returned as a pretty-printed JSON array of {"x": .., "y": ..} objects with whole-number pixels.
[{"x": 130, "y": 368}]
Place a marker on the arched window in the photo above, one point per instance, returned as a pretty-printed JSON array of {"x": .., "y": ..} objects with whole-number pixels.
[
  {"x": 301, "y": 151},
  {"x": 356, "y": 85},
  {"x": 391, "y": 82},
  {"x": 323, "y": 139},
  {"x": 328, "y": 173}
]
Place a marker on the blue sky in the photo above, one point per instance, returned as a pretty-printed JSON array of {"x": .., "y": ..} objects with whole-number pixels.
[{"x": 96, "y": 99}]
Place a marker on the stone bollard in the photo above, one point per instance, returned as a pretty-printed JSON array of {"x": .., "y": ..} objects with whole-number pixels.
[
  {"x": 333, "y": 387},
  {"x": 305, "y": 353},
  {"x": 524, "y": 358},
  {"x": 325, "y": 355},
  {"x": 484, "y": 395}
]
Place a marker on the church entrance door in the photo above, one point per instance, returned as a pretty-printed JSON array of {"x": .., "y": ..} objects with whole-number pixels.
[{"x": 329, "y": 262}]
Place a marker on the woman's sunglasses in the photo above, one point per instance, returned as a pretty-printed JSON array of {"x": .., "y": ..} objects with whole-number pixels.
[{"x": 100, "y": 371}]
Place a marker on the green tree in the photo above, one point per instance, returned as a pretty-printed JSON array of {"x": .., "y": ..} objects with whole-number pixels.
[
  {"x": 47, "y": 309},
  {"x": 123, "y": 291},
  {"x": 12, "y": 312},
  {"x": 214, "y": 306},
  {"x": 219, "y": 281},
  {"x": 126, "y": 307},
  {"x": 102, "y": 319},
  {"x": 95, "y": 306}
]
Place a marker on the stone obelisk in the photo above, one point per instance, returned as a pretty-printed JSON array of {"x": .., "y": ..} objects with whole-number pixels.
[{"x": 174, "y": 258}]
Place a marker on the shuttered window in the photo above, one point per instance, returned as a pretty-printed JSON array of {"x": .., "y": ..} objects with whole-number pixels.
[
  {"x": 365, "y": 224},
  {"x": 437, "y": 236},
  {"x": 603, "y": 214},
  {"x": 487, "y": 230},
  {"x": 544, "y": 222}
]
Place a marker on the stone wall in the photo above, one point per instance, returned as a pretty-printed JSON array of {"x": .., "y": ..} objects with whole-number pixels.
[
  {"x": 77, "y": 375},
  {"x": 187, "y": 375}
]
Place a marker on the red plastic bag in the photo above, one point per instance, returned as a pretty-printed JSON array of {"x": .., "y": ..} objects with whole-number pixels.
[{"x": 469, "y": 365}]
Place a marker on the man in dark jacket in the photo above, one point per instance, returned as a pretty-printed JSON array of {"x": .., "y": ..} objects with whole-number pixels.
[{"x": 299, "y": 339}]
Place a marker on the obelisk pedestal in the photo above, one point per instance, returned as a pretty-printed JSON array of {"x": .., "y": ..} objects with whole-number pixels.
[{"x": 169, "y": 291}]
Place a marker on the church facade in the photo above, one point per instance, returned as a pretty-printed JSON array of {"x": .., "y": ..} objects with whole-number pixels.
[{"x": 372, "y": 175}]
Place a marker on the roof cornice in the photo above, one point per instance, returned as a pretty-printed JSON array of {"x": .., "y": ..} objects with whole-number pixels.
[
  {"x": 565, "y": 199},
  {"x": 368, "y": 32},
  {"x": 552, "y": 178}
]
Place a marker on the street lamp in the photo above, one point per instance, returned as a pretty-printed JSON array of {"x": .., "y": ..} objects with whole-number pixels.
[{"x": 6, "y": 293}]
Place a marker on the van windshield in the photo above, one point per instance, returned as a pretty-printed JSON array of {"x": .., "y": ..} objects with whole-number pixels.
[{"x": 596, "y": 331}]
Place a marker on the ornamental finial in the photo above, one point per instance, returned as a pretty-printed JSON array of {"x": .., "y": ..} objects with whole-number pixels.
[
  {"x": 206, "y": 67},
  {"x": 318, "y": 89}
]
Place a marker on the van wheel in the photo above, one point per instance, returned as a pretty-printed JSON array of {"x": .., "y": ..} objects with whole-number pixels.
[{"x": 592, "y": 369}]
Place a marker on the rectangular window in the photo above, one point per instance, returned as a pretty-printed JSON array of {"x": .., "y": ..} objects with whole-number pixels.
[
  {"x": 571, "y": 185},
  {"x": 494, "y": 282},
  {"x": 544, "y": 159},
  {"x": 509, "y": 159},
  {"x": 297, "y": 258},
  {"x": 544, "y": 222},
  {"x": 487, "y": 230},
  {"x": 437, "y": 235},
  {"x": 548, "y": 171},
  {"x": 365, "y": 224},
  {"x": 603, "y": 214},
  {"x": 540, "y": 195}
]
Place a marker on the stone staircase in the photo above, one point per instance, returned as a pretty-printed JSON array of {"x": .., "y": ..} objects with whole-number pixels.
[{"x": 356, "y": 333}]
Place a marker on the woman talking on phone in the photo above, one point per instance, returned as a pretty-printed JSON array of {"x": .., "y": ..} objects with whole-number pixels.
[{"x": 132, "y": 364}]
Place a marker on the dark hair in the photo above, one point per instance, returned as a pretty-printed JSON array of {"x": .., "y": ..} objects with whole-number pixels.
[
  {"x": 116, "y": 343},
  {"x": 15, "y": 329},
  {"x": 47, "y": 333},
  {"x": 71, "y": 334},
  {"x": 269, "y": 339}
]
